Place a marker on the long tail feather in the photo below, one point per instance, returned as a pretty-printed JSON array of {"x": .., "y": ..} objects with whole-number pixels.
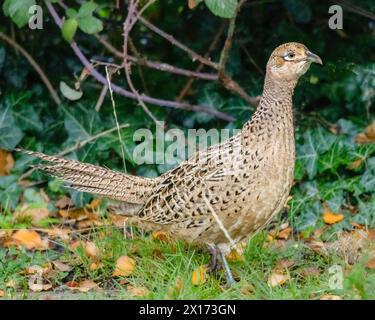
[{"x": 97, "y": 180}]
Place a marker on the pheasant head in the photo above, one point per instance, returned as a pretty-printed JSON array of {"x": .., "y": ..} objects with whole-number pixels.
[{"x": 290, "y": 61}]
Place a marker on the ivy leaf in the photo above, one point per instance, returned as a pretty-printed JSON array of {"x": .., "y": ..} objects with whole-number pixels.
[
  {"x": 27, "y": 118},
  {"x": 9, "y": 191},
  {"x": 368, "y": 178},
  {"x": 18, "y": 11},
  {"x": 316, "y": 142},
  {"x": 69, "y": 29},
  {"x": 222, "y": 8},
  {"x": 10, "y": 134}
]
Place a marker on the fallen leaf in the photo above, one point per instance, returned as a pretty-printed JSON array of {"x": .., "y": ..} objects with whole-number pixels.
[
  {"x": 62, "y": 234},
  {"x": 36, "y": 214},
  {"x": 94, "y": 204},
  {"x": 330, "y": 297},
  {"x": 356, "y": 164},
  {"x": 124, "y": 267},
  {"x": 371, "y": 264},
  {"x": 2, "y": 293},
  {"x": 117, "y": 220},
  {"x": 199, "y": 276},
  {"x": 234, "y": 255},
  {"x": 36, "y": 281},
  {"x": 75, "y": 214},
  {"x": 371, "y": 234},
  {"x": 64, "y": 202},
  {"x": 96, "y": 265},
  {"x": 137, "y": 291},
  {"x": 29, "y": 239},
  {"x": 284, "y": 264},
  {"x": 82, "y": 286},
  {"x": 284, "y": 234},
  {"x": 160, "y": 235},
  {"x": 277, "y": 279},
  {"x": 368, "y": 136},
  {"x": 61, "y": 266},
  {"x": 330, "y": 217},
  {"x": 247, "y": 289},
  {"x": 310, "y": 271},
  {"x": 6, "y": 162},
  {"x": 91, "y": 250}
]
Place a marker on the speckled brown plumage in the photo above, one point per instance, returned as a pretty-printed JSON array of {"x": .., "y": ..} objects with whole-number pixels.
[{"x": 221, "y": 196}]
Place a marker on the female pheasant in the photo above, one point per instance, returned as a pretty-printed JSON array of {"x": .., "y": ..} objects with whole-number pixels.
[{"x": 219, "y": 197}]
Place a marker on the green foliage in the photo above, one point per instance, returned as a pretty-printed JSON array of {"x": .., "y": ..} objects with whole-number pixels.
[
  {"x": 18, "y": 11},
  {"x": 224, "y": 9}
]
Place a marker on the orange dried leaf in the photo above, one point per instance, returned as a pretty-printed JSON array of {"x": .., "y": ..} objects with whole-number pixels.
[
  {"x": 355, "y": 164},
  {"x": 124, "y": 267},
  {"x": 6, "y": 162},
  {"x": 29, "y": 239},
  {"x": 94, "y": 204},
  {"x": 82, "y": 286},
  {"x": 234, "y": 255},
  {"x": 2, "y": 293},
  {"x": 91, "y": 250},
  {"x": 199, "y": 276},
  {"x": 117, "y": 220},
  {"x": 160, "y": 235},
  {"x": 371, "y": 264},
  {"x": 284, "y": 234},
  {"x": 330, "y": 217},
  {"x": 368, "y": 136},
  {"x": 277, "y": 279},
  {"x": 63, "y": 234}
]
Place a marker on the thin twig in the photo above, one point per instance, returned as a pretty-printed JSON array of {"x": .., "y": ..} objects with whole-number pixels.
[
  {"x": 119, "y": 90},
  {"x": 161, "y": 66},
  {"x": 35, "y": 65},
  {"x": 128, "y": 24},
  {"x": 101, "y": 98},
  {"x": 356, "y": 9},
  {"x": 195, "y": 56},
  {"x": 227, "y": 81},
  {"x": 224, "y": 78},
  {"x": 116, "y": 119},
  {"x": 186, "y": 89}
]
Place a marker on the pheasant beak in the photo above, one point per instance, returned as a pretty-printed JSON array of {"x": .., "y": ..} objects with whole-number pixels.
[{"x": 313, "y": 57}]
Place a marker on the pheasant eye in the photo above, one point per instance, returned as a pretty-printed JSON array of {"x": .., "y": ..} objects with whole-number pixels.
[{"x": 289, "y": 56}]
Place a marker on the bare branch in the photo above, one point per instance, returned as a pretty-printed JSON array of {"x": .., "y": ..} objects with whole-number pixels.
[
  {"x": 35, "y": 65},
  {"x": 161, "y": 66},
  {"x": 159, "y": 102},
  {"x": 128, "y": 24}
]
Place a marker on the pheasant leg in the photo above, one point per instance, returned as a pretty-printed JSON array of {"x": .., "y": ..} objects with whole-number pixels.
[
  {"x": 214, "y": 264},
  {"x": 228, "y": 273}
]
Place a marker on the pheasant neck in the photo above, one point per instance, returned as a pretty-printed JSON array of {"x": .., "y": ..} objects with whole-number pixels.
[{"x": 274, "y": 111}]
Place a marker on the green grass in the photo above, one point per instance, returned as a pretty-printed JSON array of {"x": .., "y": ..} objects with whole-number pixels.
[{"x": 159, "y": 266}]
